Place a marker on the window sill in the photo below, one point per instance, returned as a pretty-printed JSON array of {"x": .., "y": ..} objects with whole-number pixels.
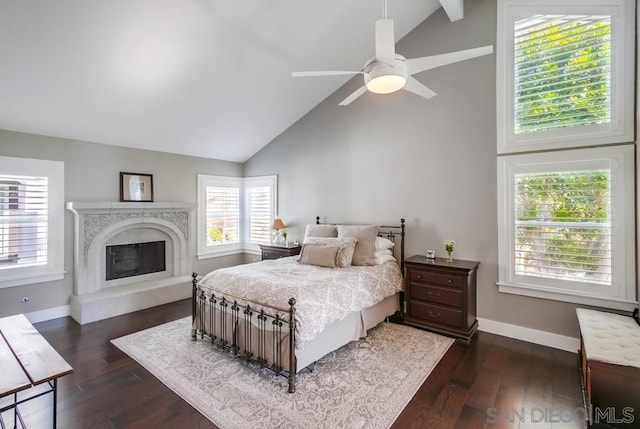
[
  {"x": 202, "y": 256},
  {"x": 28, "y": 279},
  {"x": 565, "y": 296}
]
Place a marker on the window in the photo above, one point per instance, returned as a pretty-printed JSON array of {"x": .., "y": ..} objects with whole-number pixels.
[
  {"x": 31, "y": 221},
  {"x": 260, "y": 204},
  {"x": 564, "y": 74},
  {"x": 235, "y": 214},
  {"x": 564, "y": 222}
]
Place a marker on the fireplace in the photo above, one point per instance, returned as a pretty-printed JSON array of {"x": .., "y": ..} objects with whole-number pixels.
[
  {"x": 130, "y": 256},
  {"x": 136, "y": 259}
]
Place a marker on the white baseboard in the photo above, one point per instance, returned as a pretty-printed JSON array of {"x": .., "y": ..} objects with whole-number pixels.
[
  {"x": 48, "y": 314},
  {"x": 535, "y": 336}
]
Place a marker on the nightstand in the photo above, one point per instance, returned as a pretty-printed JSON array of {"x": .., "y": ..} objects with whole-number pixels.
[
  {"x": 441, "y": 296},
  {"x": 275, "y": 251}
]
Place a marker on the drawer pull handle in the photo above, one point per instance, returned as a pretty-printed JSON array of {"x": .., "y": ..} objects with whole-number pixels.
[
  {"x": 432, "y": 314},
  {"x": 419, "y": 276},
  {"x": 450, "y": 281},
  {"x": 437, "y": 294}
]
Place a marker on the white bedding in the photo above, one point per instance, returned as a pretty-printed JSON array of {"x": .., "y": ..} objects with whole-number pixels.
[{"x": 323, "y": 295}]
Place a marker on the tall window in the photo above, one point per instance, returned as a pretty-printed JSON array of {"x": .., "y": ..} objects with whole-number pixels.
[
  {"x": 566, "y": 217},
  {"x": 566, "y": 225},
  {"x": 564, "y": 73},
  {"x": 31, "y": 221},
  {"x": 223, "y": 214},
  {"x": 235, "y": 214},
  {"x": 260, "y": 208}
]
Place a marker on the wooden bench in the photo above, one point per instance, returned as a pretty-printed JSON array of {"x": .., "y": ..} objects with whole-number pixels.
[
  {"x": 27, "y": 360},
  {"x": 610, "y": 368}
]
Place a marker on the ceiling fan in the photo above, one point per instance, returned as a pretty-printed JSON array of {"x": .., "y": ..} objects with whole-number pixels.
[{"x": 388, "y": 71}]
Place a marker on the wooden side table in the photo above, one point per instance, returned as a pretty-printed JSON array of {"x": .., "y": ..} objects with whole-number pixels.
[
  {"x": 27, "y": 360},
  {"x": 275, "y": 251},
  {"x": 441, "y": 296}
]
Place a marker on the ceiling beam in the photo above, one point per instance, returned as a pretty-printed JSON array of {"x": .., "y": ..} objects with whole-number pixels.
[{"x": 453, "y": 8}]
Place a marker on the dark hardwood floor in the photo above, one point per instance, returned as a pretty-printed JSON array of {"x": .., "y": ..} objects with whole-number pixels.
[{"x": 474, "y": 386}]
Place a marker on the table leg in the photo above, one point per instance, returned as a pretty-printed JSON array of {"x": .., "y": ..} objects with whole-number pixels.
[{"x": 55, "y": 402}]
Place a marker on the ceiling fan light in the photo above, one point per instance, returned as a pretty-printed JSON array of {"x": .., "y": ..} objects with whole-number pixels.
[{"x": 386, "y": 84}]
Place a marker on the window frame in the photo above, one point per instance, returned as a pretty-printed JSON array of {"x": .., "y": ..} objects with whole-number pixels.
[
  {"x": 54, "y": 268},
  {"x": 622, "y": 294},
  {"x": 621, "y": 126},
  {"x": 242, "y": 184}
]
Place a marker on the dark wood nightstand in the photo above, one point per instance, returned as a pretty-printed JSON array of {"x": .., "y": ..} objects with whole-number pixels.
[
  {"x": 441, "y": 296},
  {"x": 275, "y": 251}
]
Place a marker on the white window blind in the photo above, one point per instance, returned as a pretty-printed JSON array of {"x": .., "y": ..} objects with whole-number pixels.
[
  {"x": 222, "y": 215},
  {"x": 562, "y": 72},
  {"x": 563, "y": 225},
  {"x": 259, "y": 207},
  {"x": 24, "y": 218},
  {"x": 31, "y": 221}
]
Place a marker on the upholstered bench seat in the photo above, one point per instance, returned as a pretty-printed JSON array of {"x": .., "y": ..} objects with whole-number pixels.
[
  {"x": 610, "y": 338},
  {"x": 610, "y": 364}
]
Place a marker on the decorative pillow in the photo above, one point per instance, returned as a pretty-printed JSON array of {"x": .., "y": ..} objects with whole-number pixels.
[
  {"x": 382, "y": 256},
  {"x": 384, "y": 243},
  {"x": 365, "y": 248},
  {"x": 323, "y": 256},
  {"x": 314, "y": 230},
  {"x": 346, "y": 245},
  {"x": 383, "y": 252}
]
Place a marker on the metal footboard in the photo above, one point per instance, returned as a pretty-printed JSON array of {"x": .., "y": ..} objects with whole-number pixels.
[{"x": 246, "y": 330}]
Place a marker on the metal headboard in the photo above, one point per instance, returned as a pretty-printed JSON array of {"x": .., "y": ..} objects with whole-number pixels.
[{"x": 387, "y": 231}]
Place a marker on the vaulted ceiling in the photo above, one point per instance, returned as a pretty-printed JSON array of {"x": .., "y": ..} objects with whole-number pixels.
[{"x": 206, "y": 78}]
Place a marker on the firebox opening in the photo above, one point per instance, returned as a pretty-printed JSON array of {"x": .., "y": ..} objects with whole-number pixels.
[{"x": 128, "y": 260}]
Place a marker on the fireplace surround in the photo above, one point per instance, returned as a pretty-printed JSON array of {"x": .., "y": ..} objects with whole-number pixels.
[{"x": 99, "y": 225}]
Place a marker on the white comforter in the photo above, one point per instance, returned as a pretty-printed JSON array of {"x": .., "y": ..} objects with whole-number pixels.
[{"x": 323, "y": 295}]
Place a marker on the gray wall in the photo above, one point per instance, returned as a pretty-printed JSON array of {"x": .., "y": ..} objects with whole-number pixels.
[
  {"x": 432, "y": 161},
  {"x": 92, "y": 174}
]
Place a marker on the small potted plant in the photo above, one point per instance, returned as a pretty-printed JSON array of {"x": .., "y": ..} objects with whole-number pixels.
[
  {"x": 448, "y": 246},
  {"x": 284, "y": 236}
]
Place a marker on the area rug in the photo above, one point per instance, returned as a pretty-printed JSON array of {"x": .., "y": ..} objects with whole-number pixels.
[{"x": 365, "y": 384}]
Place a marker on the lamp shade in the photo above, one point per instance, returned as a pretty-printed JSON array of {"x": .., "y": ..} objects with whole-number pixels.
[{"x": 278, "y": 224}]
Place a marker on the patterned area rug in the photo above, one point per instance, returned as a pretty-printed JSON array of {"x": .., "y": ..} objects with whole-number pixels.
[{"x": 365, "y": 384}]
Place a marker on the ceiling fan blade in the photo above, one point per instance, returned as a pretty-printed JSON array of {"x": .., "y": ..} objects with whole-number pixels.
[
  {"x": 323, "y": 73},
  {"x": 413, "y": 85},
  {"x": 385, "y": 41},
  {"x": 357, "y": 93},
  {"x": 417, "y": 65}
]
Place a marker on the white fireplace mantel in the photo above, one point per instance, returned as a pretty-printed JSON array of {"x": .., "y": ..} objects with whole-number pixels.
[{"x": 97, "y": 224}]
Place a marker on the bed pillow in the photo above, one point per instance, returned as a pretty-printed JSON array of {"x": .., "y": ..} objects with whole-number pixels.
[
  {"x": 382, "y": 256},
  {"x": 346, "y": 248},
  {"x": 315, "y": 230},
  {"x": 365, "y": 248},
  {"x": 384, "y": 243},
  {"x": 322, "y": 256}
]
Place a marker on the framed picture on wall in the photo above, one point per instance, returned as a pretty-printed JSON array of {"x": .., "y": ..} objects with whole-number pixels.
[{"x": 136, "y": 187}]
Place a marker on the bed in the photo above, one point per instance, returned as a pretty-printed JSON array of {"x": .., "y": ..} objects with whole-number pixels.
[{"x": 287, "y": 313}]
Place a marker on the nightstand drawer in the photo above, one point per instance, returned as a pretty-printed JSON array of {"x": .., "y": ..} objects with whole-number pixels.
[
  {"x": 435, "y": 314},
  {"x": 268, "y": 254},
  {"x": 439, "y": 295},
  {"x": 436, "y": 278}
]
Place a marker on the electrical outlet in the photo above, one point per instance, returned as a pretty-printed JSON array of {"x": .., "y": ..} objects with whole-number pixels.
[{"x": 25, "y": 299}]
